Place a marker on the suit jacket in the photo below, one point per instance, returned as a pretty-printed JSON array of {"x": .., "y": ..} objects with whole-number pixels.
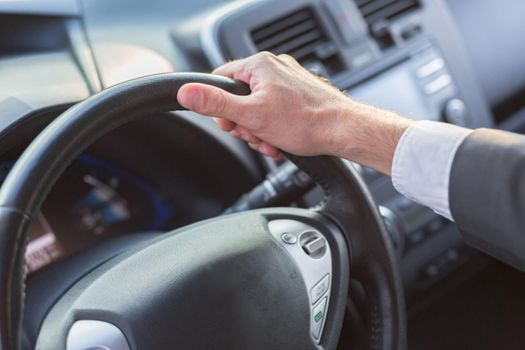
[{"x": 487, "y": 194}]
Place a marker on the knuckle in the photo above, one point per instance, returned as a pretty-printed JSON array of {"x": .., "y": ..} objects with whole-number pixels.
[
  {"x": 266, "y": 54},
  {"x": 286, "y": 57},
  {"x": 245, "y": 69},
  {"x": 263, "y": 56}
]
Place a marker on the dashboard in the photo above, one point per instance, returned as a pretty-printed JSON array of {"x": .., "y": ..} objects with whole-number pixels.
[{"x": 153, "y": 176}]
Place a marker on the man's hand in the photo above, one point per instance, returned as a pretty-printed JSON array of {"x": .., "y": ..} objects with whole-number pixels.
[{"x": 292, "y": 110}]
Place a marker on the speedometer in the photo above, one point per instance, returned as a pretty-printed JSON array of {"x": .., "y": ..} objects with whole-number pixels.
[
  {"x": 93, "y": 200},
  {"x": 43, "y": 247}
]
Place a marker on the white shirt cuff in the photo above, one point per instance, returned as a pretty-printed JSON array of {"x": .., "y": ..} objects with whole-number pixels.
[{"x": 423, "y": 161}]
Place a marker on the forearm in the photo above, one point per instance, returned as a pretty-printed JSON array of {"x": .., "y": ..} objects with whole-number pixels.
[
  {"x": 368, "y": 135},
  {"x": 418, "y": 155}
]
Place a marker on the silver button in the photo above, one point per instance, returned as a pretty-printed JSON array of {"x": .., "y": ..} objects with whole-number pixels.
[
  {"x": 289, "y": 238},
  {"x": 320, "y": 288},
  {"x": 437, "y": 84},
  {"x": 431, "y": 67},
  {"x": 315, "y": 245},
  {"x": 455, "y": 112},
  {"x": 318, "y": 316}
]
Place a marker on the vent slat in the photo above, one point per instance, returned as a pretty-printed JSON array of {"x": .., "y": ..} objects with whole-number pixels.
[
  {"x": 297, "y": 34},
  {"x": 360, "y": 3},
  {"x": 374, "y": 6},
  {"x": 302, "y": 53},
  {"x": 279, "y": 25},
  {"x": 297, "y": 43},
  {"x": 283, "y": 36},
  {"x": 378, "y": 10},
  {"x": 392, "y": 11}
]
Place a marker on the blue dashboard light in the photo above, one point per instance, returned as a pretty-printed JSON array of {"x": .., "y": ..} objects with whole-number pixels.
[{"x": 110, "y": 211}]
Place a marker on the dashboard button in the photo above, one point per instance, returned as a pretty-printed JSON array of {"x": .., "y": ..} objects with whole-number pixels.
[
  {"x": 438, "y": 84},
  {"x": 404, "y": 204},
  {"x": 416, "y": 237},
  {"x": 320, "y": 288},
  {"x": 315, "y": 246},
  {"x": 436, "y": 225},
  {"x": 455, "y": 112},
  {"x": 431, "y": 67},
  {"x": 289, "y": 238},
  {"x": 318, "y": 316},
  {"x": 453, "y": 255},
  {"x": 432, "y": 270}
]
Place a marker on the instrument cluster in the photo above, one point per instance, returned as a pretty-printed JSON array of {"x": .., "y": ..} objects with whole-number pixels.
[{"x": 94, "y": 200}]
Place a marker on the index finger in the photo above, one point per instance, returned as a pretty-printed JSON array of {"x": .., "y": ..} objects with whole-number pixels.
[{"x": 235, "y": 70}]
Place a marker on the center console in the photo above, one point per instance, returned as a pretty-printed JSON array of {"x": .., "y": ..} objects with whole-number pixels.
[{"x": 404, "y": 55}]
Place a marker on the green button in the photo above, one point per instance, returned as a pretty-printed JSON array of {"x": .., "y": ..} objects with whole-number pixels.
[{"x": 318, "y": 316}]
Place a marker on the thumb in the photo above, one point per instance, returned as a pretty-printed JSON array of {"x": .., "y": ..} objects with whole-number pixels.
[{"x": 210, "y": 100}]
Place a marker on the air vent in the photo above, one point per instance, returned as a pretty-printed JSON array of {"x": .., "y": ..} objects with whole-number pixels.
[
  {"x": 380, "y": 10},
  {"x": 300, "y": 35},
  {"x": 378, "y": 13}
]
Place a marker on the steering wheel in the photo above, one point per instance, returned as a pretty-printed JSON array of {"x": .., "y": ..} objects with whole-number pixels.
[{"x": 275, "y": 278}]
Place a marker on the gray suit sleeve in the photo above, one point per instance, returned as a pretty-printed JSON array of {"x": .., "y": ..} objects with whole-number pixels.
[{"x": 487, "y": 194}]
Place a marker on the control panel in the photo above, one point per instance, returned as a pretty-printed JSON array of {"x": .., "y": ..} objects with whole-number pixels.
[
  {"x": 311, "y": 253},
  {"x": 428, "y": 89}
]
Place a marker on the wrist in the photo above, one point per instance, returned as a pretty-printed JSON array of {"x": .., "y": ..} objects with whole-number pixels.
[{"x": 368, "y": 135}]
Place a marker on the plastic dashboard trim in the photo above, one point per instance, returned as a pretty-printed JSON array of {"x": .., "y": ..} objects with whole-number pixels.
[{"x": 209, "y": 35}]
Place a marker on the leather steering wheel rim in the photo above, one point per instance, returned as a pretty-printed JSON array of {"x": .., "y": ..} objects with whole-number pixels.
[{"x": 374, "y": 263}]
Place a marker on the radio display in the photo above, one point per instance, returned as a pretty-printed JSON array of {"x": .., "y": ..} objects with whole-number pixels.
[{"x": 396, "y": 89}]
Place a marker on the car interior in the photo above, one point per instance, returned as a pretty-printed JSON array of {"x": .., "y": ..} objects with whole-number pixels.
[{"x": 150, "y": 228}]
